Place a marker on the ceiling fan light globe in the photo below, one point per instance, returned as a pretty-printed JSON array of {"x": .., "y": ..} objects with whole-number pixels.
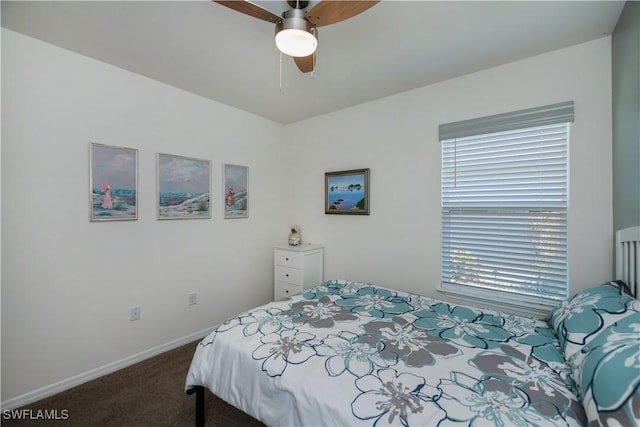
[
  {"x": 295, "y": 36},
  {"x": 294, "y": 42}
]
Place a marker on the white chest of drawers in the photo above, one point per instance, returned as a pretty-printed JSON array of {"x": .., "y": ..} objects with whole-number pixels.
[{"x": 296, "y": 268}]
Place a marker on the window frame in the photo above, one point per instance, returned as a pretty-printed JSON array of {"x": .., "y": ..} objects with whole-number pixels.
[{"x": 555, "y": 114}]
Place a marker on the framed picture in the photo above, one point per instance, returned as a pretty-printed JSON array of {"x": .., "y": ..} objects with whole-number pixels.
[
  {"x": 184, "y": 187},
  {"x": 236, "y": 191},
  {"x": 113, "y": 183},
  {"x": 347, "y": 192}
]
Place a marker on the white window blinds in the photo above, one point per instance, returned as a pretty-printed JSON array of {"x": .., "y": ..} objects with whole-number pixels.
[{"x": 504, "y": 205}]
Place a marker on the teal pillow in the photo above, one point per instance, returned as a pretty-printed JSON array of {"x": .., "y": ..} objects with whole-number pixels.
[
  {"x": 608, "y": 369},
  {"x": 582, "y": 316}
]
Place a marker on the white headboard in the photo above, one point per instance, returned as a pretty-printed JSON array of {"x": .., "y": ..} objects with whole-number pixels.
[{"x": 628, "y": 258}]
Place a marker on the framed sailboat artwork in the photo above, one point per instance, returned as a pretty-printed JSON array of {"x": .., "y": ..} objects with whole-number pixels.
[{"x": 347, "y": 192}]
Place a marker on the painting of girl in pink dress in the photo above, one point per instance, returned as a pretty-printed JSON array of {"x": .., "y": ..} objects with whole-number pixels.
[{"x": 114, "y": 183}]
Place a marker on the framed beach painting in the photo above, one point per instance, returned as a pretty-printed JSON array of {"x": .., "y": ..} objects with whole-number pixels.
[
  {"x": 113, "y": 183},
  {"x": 236, "y": 191},
  {"x": 184, "y": 187},
  {"x": 347, "y": 192}
]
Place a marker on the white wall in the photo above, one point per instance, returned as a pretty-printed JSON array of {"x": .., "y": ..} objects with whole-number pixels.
[
  {"x": 625, "y": 69},
  {"x": 68, "y": 284},
  {"x": 397, "y": 138}
]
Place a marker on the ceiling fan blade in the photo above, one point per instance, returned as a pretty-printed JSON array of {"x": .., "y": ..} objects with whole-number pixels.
[
  {"x": 332, "y": 11},
  {"x": 250, "y": 9},
  {"x": 306, "y": 64}
]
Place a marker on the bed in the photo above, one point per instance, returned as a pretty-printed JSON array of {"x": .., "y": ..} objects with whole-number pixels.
[{"x": 356, "y": 354}]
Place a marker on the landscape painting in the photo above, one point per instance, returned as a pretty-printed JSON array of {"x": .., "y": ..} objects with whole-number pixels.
[
  {"x": 236, "y": 191},
  {"x": 347, "y": 192},
  {"x": 113, "y": 182},
  {"x": 184, "y": 187}
]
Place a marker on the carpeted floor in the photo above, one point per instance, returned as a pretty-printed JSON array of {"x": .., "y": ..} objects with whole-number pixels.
[{"x": 149, "y": 393}]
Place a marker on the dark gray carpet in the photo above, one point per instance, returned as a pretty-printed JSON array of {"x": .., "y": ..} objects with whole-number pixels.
[{"x": 149, "y": 393}]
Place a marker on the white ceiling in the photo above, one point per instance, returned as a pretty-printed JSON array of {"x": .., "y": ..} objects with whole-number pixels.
[{"x": 213, "y": 51}]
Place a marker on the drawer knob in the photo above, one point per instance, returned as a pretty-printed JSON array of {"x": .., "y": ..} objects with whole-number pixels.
[
  {"x": 287, "y": 275},
  {"x": 286, "y": 259},
  {"x": 286, "y": 292}
]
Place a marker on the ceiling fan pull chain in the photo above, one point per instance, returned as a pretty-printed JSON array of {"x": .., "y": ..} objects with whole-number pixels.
[
  {"x": 280, "y": 71},
  {"x": 314, "y": 31}
]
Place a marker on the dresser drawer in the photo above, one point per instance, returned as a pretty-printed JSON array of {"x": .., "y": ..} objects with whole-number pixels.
[
  {"x": 289, "y": 275},
  {"x": 289, "y": 259},
  {"x": 285, "y": 290}
]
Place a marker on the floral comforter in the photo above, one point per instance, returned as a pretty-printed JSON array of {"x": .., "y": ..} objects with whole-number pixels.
[{"x": 348, "y": 353}]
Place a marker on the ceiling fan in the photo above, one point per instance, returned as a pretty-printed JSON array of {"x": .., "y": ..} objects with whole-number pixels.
[{"x": 296, "y": 30}]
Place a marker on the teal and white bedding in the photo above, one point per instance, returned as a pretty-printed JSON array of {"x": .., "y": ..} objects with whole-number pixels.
[
  {"x": 353, "y": 354},
  {"x": 599, "y": 333}
]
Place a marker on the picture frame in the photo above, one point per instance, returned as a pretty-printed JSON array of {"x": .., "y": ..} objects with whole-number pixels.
[
  {"x": 346, "y": 192},
  {"x": 236, "y": 191},
  {"x": 183, "y": 187},
  {"x": 113, "y": 183}
]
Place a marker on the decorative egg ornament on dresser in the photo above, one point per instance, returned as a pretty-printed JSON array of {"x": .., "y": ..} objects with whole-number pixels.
[{"x": 294, "y": 236}]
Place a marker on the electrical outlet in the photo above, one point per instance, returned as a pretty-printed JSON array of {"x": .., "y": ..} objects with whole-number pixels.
[
  {"x": 135, "y": 313},
  {"x": 193, "y": 298}
]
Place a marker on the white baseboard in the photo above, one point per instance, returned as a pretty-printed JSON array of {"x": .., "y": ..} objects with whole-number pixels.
[{"x": 68, "y": 383}]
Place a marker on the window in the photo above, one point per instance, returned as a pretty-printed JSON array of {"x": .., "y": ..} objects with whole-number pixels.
[{"x": 504, "y": 208}]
